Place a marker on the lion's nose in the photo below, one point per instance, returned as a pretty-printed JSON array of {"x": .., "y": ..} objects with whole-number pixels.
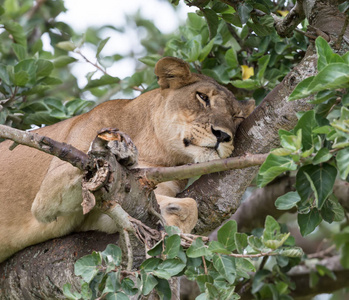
[{"x": 222, "y": 137}]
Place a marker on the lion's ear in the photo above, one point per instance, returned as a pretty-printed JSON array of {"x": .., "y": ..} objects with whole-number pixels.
[{"x": 172, "y": 73}]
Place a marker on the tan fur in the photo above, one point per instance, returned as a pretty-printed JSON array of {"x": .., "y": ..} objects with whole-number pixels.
[{"x": 40, "y": 196}]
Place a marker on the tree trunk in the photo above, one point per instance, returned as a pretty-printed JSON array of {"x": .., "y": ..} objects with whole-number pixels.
[{"x": 39, "y": 272}]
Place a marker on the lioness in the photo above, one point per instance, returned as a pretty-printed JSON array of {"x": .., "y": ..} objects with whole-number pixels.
[{"x": 190, "y": 118}]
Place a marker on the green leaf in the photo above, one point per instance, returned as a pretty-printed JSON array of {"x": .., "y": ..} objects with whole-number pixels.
[
  {"x": 241, "y": 242},
  {"x": 272, "y": 238},
  {"x": 4, "y": 74},
  {"x": 206, "y": 50},
  {"x": 244, "y": 10},
  {"x": 307, "y": 123},
  {"x": 226, "y": 235},
  {"x": 112, "y": 283},
  {"x": 21, "y": 78},
  {"x": 256, "y": 243},
  {"x": 262, "y": 66},
  {"x": 197, "y": 249},
  {"x": 29, "y": 66},
  {"x": 150, "y": 264},
  {"x": 63, "y": 60},
  {"x": 225, "y": 266},
  {"x": 323, "y": 155},
  {"x": 332, "y": 211},
  {"x": 172, "y": 245},
  {"x": 231, "y": 58},
  {"x": 287, "y": 201},
  {"x": 104, "y": 80},
  {"x": 164, "y": 290},
  {"x": 325, "y": 54},
  {"x": 317, "y": 179},
  {"x": 69, "y": 294},
  {"x": 248, "y": 84},
  {"x": 345, "y": 256},
  {"x": 86, "y": 292},
  {"x": 172, "y": 266},
  {"x": 87, "y": 266},
  {"x": 148, "y": 282},
  {"x": 44, "y": 67},
  {"x": 291, "y": 142},
  {"x": 101, "y": 46},
  {"x": 66, "y": 45},
  {"x": 339, "y": 73},
  {"x": 273, "y": 167},
  {"x": 244, "y": 267},
  {"x": 291, "y": 252},
  {"x": 211, "y": 291},
  {"x": 202, "y": 279},
  {"x": 162, "y": 274},
  {"x": 308, "y": 222},
  {"x": 113, "y": 254},
  {"x": 342, "y": 159},
  {"x": 17, "y": 32},
  {"x": 322, "y": 270},
  {"x": 20, "y": 51},
  {"x": 150, "y": 60},
  {"x": 218, "y": 247},
  {"x": 172, "y": 230},
  {"x": 212, "y": 21},
  {"x": 157, "y": 249},
  {"x": 323, "y": 96},
  {"x": 302, "y": 89}
]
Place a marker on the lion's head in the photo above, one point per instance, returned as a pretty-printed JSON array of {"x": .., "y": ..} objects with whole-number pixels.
[{"x": 201, "y": 115}]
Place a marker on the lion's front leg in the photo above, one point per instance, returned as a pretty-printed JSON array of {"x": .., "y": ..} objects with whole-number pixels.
[
  {"x": 59, "y": 194},
  {"x": 180, "y": 212}
]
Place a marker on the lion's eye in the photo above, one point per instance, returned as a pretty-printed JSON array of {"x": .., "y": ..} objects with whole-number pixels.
[{"x": 203, "y": 97}]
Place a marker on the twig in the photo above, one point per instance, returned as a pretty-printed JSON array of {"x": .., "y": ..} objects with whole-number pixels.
[
  {"x": 129, "y": 250},
  {"x": 205, "y": 266},
  {"x": 90, "y": 62},
  {"x": 323, "y": 253}
]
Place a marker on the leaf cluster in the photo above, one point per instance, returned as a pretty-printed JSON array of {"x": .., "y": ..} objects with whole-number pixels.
[
  {"x": 317, "y": 149},
  {"x": 218, "y": 266}
]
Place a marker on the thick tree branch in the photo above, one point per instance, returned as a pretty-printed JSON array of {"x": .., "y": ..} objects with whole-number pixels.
[
  {"x": 63, "y": 151},
  {"x": 287, "y": 25},
  {"x": 162, "y": 174}
]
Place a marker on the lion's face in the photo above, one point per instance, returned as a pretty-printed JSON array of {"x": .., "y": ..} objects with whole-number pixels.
[{"x": 202, "y": 116}]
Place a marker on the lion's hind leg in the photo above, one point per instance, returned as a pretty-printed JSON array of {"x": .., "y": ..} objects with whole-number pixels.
[{"x": 59, "y": 194}]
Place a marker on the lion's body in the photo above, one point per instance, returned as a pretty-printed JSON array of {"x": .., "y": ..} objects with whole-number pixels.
[{"x": 40, "y": 196}]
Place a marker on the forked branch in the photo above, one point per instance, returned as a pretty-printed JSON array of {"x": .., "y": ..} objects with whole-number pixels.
[{"x": 151, "y": 176}]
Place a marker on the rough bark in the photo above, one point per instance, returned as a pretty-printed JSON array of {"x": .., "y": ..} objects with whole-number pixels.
[
  {"x": 218, "y": 195},
  {"x": 40, "y": 271}
]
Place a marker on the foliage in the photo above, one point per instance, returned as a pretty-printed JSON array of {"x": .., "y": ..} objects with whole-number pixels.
[
  {"x": 218, "y": 266},
  {"x": 318, "y": 147},
  {"x": 241, "y": 50}
]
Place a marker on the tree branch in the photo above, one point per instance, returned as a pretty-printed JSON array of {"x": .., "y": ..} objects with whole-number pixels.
[
  {"x": 162, "y": 174},
  {"x": 63, "y": 151},
  {"x": 287, "y": 25}
]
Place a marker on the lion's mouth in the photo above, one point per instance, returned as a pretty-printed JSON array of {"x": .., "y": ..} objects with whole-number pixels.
[{"x": 188, "y": 142}]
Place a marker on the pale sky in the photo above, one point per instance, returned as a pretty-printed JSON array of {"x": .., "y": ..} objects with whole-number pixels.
[{"x": 84, "y": 13}]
